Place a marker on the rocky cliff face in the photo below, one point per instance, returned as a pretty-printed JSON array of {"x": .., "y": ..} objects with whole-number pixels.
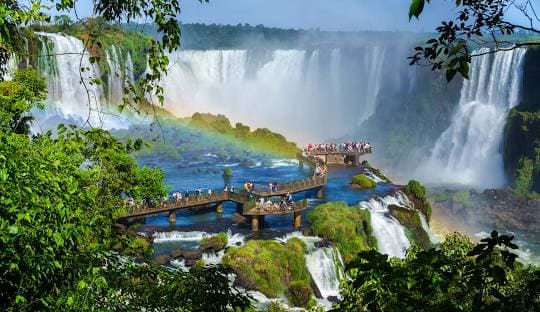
[{"x": 521, "y": 145}]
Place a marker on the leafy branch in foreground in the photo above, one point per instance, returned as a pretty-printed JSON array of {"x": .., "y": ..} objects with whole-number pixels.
[
  {"x": 455, "y": 276},
  {"x": 478, "y": 23}
]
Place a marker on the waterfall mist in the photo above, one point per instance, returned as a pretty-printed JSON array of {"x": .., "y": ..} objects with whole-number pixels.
[{"x": 307, "y": 94}]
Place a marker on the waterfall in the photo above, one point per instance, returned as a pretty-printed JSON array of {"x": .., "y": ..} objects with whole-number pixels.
[
  {"x": 469, "y": 151},
  {"x": 326, "y": 270},
  {"x": 71, "y": 91},
  {"x": 115, "y": 72},
  {"x": 269, "y": 88},
  {"x": 373, "y": 63},
  {"x": 324, "y": 264},
  {"x": 391, "y": 238},
  {"x": 179, "y": 236}
]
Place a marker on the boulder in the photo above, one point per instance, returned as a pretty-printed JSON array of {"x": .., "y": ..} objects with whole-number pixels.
[
  {"x": 177, "y": 253},
  {"x": 333, "y": 299},
  {"x": 192, "y": 255},
  {"x": 162, "y": 259},
  {"x": 214, "y": 243}
]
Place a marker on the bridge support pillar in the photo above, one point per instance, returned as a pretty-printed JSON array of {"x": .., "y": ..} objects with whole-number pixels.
[
  {"x": 219, "y": 207},
  {"x": 301, "y": 164},
  {"x": 172, "y": 217},
  {"x": 255, "y": 223},
  {"x": 297, "y": 219},
  {"x": 320, "y": 193}
]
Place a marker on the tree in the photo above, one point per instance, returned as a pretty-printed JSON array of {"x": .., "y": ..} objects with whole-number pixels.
[
  {"x": 60, "y": 197},
  {"x": 478, "y": 23},
  {"x": 455, "y": 276}
]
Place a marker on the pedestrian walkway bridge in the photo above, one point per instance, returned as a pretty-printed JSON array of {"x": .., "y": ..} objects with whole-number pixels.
[{"x": 248, "y": 202}]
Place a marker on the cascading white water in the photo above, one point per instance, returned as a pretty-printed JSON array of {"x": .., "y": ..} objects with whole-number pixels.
[
  {"x": 179, "y": 236},
  {"x": 391, "y": 238},
  {"x": 272, "y": 87},
  {"x": 71, "y": 92},
  {"x": 324, "y": 264},
  {"x": 469, "y": 151},
  {"x": 326, "y": 270},
  {"x": 373, "y": 62},
  {"x": 115, "y": 85}
]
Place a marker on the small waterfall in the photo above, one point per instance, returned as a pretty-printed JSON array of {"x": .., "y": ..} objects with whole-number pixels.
[
  {"x": 326, "y": 270},
  {"x": 160, "y": 237},
  {"x": 115, "y": 72},
  {"x": 11, "y": 67},
  {"x": 236, "y": 239},
  {"x": 213, "y": 258},
  {"x": 391, "y": 238},
  {"x": 432, "y": 237},
  {"x": 469, "y": 151}
]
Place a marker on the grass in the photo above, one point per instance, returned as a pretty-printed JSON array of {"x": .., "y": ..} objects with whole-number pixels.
[
  {"x": 363, "y": 181},
  {"x": 348, "y": 227},
  {"x": 269, "y": 266}
]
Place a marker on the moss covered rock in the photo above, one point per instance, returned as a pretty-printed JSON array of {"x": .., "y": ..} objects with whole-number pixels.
[
  {"x": 417, "y": 193},
  {"x": 299, "y": 294},
  {"x": 348, "y": 227},
  {"x": 214, "y": 243},
  {"x": 268, "y": 266},
  {"x": 363, "y": 181},
  {"x": 412, "y": 224}
]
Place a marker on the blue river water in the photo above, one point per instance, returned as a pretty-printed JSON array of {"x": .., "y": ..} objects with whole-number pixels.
[{"x": 208, "y": 173}]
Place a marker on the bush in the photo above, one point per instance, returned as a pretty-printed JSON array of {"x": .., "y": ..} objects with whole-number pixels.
[
  {"x": 227, "y": 172},
  {"x": 348, "y": 227},
  {"x": 268, "y": 266},
  {"x": 217, "y": 242},
  {"x": 363, "y": 181},
  {"x": 299, "y": 293},
  {"x": 420, "y": 201}
]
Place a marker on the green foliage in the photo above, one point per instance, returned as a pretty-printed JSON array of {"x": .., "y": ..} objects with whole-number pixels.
[
  {"x": 299, "y": 293},
  {"x": 227, "y": 172},
  {"x": 363, "y": 181},
  {"x": 275, "y": 306},
  {"x": 451, "y": 277},
  {"x": 60, "y": 197},
  {"x": 260, "y": 139},
  {"x": 348, "y": 227},
  {"x": 21, "y": 94},
  {"x": 524, "y": 179},
  {"x": 269, "y": 266},
  {"x": 476, "y": 22},
  {"x": 419, "y": 194}
]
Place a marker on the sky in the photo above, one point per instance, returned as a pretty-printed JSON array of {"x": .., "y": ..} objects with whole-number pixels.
[{"x": 340, "y": 15}]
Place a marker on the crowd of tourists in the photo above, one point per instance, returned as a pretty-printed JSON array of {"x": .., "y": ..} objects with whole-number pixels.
[
  {"x": 363, "y": 147},
  {"x": 285, "y": 203}
]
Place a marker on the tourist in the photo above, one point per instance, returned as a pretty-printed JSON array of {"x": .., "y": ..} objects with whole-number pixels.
[
  {"x": 270, "y": 187},
  {"x": 225, "y": 190},
  {"x": 246, "y": 186},
  {"x": 209, "y": 192},
  {"x": 232, "y": 188},
  {"x": 261, "y": 201}
]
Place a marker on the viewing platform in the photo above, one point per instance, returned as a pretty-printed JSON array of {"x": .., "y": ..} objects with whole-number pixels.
[{"x": 248, "y": 202}]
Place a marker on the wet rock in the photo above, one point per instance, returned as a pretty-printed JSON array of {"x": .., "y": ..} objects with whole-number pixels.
[
  {"x": 177, "y": 253},
  {"x": 190, "y": 262},
  {"x": 162, "y": 259},
  {"x": 324, "y": 243},
  {"x": 332, "y": 299},
  {"x": 192, "y": 255}
]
